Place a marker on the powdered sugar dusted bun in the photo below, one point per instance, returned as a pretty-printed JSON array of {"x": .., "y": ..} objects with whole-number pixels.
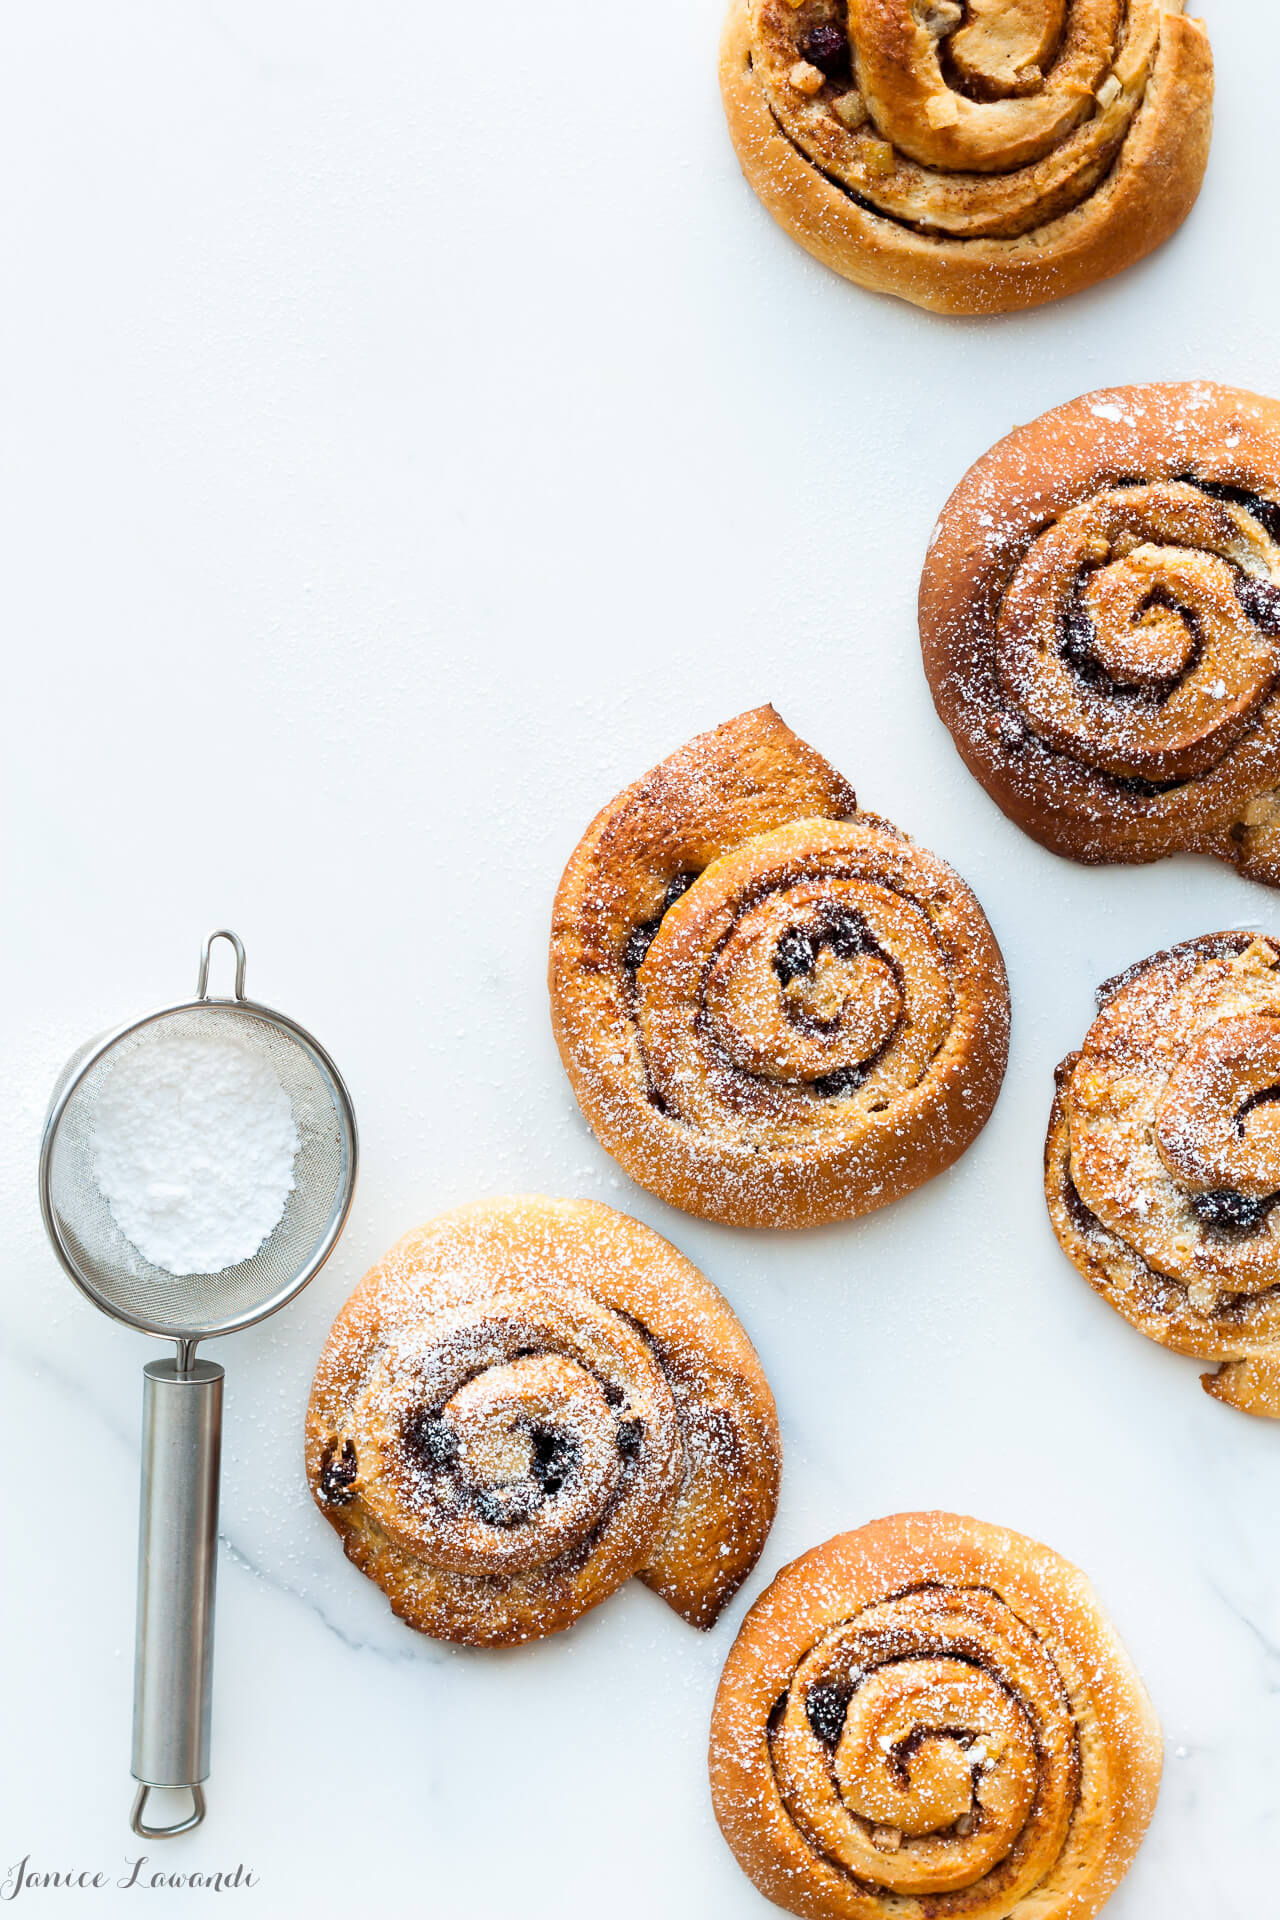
[
  {"x": 977, "y": 158},
  {"x": 933, "y": 1717},
  {"x": 527, "y": 1402},
  {"x": 1100, "y": 615},
  {"x": 774, "y": 1010},
  {"x": 1162, "y": 1168}
]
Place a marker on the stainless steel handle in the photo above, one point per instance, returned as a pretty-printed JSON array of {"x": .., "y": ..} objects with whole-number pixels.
[{"x": 177, "y": 1560}]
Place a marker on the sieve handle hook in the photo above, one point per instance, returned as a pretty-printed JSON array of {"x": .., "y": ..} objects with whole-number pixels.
[
  {"x": 202, "y": 978},
  {"x": 139, "y": 1824},
  {"x": 177, "y": 1560}
]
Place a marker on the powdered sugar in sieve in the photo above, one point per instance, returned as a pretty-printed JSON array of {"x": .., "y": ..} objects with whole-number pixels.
[{"x": 194, "y": 1146}]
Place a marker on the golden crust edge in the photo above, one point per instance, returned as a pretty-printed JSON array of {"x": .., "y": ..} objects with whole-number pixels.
[
  {"x": 929, "y": 1140},
  {"x": 748, "y": 1809},
  {"x": 1065, "y": 450},
  {"x": 408, "y": 1589},
  {"x": 1131, "y": 213}
]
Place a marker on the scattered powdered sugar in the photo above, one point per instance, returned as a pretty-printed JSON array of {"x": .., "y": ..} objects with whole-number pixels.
[{"x": 194, "y": 1146}]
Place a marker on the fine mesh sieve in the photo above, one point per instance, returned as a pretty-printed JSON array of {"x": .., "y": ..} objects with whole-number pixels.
[{"x": 183, "y": 1397}]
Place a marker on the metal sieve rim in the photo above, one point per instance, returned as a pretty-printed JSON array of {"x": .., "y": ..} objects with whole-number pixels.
[{"x": 349, "y": 1140}]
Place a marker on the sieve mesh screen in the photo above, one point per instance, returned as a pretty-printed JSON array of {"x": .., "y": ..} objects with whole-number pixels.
[{"x": 111, "y": 1268}]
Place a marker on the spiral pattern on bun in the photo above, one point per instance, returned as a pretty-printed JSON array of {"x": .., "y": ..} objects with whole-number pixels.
[
  {"x": 774, "y": 1010},
  {"x": 1100, "y": 615},
  {"x": 974, "y": 158},
  {"x": 527, "y": 1402},
  {"x": 932, "y": 1717},
  {"x": 1162, "y": 1168}
]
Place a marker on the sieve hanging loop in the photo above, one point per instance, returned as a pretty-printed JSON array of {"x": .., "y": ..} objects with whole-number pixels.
[
  {"x": 140, "y": 1826},
  {"x": 202, "y": 978},
  {"x": 182, "y": 1401}
]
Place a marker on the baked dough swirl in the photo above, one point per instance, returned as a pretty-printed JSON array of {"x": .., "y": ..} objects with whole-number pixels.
[
  {"x": 974, "y": 158},
  {"x": 1162, "y": 1167},
  {"x": 774, "y": 1010},
  {"x": 528, "y": 1401},
  {"x": 932, "y": 1717},
  {"x": 1100, "y": 616}
]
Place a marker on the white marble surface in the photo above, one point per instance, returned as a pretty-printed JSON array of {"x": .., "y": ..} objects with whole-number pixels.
[{"x": 411, "y": 433}]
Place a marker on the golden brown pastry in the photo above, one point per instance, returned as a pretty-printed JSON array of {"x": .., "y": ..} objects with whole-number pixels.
[
  {"x": 773, "y": 1009},
  {"x": 1100, "y": 616},
  {"x": 1162, "y": 1166},
  {"x": 973, "y": 158},
  {"x": 527, "y": 1402},
  {"x": 933, "y": 1719}
]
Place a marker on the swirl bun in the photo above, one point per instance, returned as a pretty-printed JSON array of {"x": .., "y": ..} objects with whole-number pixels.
[
  {"x": 1100, "y": 616},
  {"x": 971, "y": 159},
  {"x": 774, "y": 1010},
  {"x": 932, "y": 1717},
  {"x": 1162, "y": 1167},
  {"x": 527, "y": 1402}
]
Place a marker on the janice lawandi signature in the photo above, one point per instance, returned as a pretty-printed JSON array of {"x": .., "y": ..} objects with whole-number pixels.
[{"x": 23, "y": 1877}]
